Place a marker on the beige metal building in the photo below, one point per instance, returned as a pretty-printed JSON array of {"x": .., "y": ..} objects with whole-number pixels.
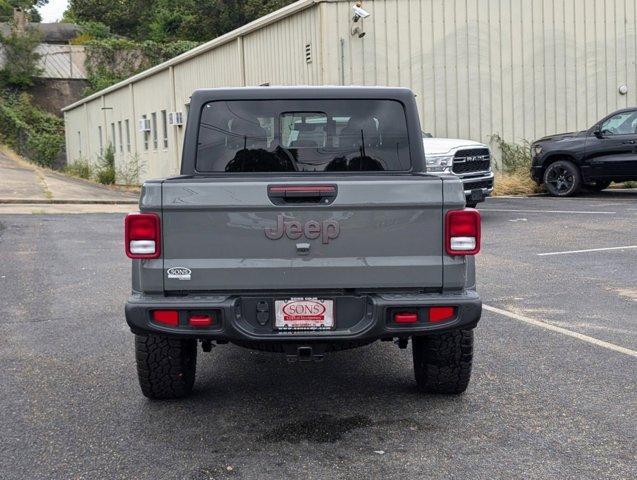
[{"x": 518, "y": 68}]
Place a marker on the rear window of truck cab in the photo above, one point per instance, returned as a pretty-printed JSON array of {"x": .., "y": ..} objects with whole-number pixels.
[{"x": 303, "y": 136}]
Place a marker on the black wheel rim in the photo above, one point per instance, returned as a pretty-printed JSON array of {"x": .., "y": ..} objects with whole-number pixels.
[{"x": 560, "y": 178}]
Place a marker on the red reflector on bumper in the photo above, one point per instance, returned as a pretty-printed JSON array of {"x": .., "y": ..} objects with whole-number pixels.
[
  {"x": 166, "y": 317},
  {"x": 200, "y": 320},
  {"x": 439, "y": 314},
  {"x": 406, "y": 317}
]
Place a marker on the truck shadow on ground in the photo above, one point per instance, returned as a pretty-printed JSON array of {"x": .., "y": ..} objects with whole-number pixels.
[
  {"x": 627, "y": 193},
  {"x": 240, "y": 392}
]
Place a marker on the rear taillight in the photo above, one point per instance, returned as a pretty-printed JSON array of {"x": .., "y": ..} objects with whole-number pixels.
[
  {"x": 440, "y": 314},
  {"x": 142, "y": 234},
  {"x": 406, "y": 317},
  {"x": 166, "y": 317},
  {"x": 200, "y": 320},
  {"x": 462, "y": 232}
]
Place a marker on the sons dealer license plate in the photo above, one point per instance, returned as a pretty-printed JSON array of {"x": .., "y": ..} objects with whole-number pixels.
[{"x": 304, "y": 314}]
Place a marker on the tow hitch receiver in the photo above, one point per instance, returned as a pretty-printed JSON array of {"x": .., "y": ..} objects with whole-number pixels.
[{"x": 303, "y": 353}]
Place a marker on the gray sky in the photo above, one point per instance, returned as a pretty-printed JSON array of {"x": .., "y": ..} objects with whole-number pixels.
[{"x": 53, "y": 10}]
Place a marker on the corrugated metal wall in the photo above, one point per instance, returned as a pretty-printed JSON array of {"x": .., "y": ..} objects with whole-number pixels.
[
  {"x": 518, "y": 68},
  {"x": 152, "y": 96},
  {"x": 276, "y": 54},
  {"x": 216, "y": 68}
]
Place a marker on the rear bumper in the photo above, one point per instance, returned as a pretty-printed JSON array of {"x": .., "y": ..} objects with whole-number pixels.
[{"x": 358, "y": 318}]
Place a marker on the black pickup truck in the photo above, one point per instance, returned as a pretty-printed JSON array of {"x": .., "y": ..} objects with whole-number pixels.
[{"x": 591, "y": 159}]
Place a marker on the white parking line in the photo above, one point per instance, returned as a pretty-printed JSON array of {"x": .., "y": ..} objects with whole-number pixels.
[
  {"x": 545, "y": 211},
  {"x": 587, "y": 250},
  {"x": 563, "y": 331}
]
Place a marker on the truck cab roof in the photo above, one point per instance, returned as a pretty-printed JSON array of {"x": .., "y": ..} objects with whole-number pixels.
[{"x": 283, "y": 92}]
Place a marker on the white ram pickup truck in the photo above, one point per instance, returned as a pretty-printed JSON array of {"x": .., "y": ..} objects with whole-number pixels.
[{"x": 469, "y": 160}]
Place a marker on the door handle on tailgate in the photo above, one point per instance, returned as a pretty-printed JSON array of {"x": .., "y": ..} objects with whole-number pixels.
[
  {"x": 286, "y": 194},
  {"x": 629, "y": 142}
]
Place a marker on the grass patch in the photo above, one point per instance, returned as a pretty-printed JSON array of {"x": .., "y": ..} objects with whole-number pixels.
[
  {"x": 79, "y": 168},
  {"x": 514, "y": 178},
  {"x": 514, "y": 184}
]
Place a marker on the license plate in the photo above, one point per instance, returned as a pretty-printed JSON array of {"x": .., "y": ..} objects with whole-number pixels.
[
  {"x": 304, "y": 314},
  {"x": 477, "y": 195}
]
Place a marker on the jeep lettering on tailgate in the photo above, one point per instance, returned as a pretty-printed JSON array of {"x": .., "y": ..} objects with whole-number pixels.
[{"x": 327, "y": 230}]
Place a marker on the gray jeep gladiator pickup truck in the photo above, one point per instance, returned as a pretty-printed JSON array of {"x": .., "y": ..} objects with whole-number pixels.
[{"x": 303, "y": 222}]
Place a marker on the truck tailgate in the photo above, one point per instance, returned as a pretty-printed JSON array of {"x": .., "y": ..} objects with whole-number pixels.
[{"x": 223, "y": 234}]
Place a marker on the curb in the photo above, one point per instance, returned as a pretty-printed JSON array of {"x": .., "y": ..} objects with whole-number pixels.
[
  {"x": 45, "y": 201},
  {"x": 84, "y": 181},
  {"x": 529, "y": 195}
]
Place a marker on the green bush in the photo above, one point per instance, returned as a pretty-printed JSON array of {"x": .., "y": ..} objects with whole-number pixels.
[
  {"x": 130, "y": 172},
  {"x": 33, "y": 133},
  {"x": 516, "y": 158},
  {"x": 79, "y": 168},
  {"x": 95, "y": 30},
  {"x": 106, "y": 169},
  {"x": 514, "y": 177},
  {"x": 111, "y": 60},
  {"x": 20, "y": 59}
]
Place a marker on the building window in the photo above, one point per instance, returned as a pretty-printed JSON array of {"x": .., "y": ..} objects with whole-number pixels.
[
  {"x": 153, "y": 127},
  {"x": 127, "y": 135},
  {"x": 144, "y": 117},
  {"x": 121, "y": 138},
  {"x": 164, "y": 125},
  {"x": 112, "y": 142},
  {"x": 99, "y": 132},
  {"x": 79, "y": 144}
]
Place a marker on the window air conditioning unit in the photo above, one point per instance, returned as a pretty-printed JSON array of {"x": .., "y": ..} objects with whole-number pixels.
[
  {"x": 175, "y": 118},
  {"x": 144, "y": 124}
]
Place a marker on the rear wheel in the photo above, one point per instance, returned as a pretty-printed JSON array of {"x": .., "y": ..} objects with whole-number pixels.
[
  {"x": 562, "y": 178},
  {"x": 598, "y": 186},
  {"x": 165, "y": 366},
  {"x": 442, "y": 362}
]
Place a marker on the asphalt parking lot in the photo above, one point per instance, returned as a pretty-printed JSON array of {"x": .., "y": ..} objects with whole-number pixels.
[{"x": 553, "y": 394}]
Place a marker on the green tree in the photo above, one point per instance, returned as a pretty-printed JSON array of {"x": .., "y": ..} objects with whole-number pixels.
[
  {"x": 20, "y": 65},
  {"x": 95, "y": 30},
  {"x": 28, "y": 6},
  {"x": 169, "y": 20},
  {"x": 123, "y": 17},
  {"x": 32, "y": 132}
]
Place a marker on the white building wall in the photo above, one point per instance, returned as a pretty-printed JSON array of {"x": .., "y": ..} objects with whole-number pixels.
[
  {"x": 276, "y": 55},
  {"x": 220, "y": 67},
  {"x": 76, "y": 140},
  {"x": 518, "y": 68},
  {"x": 151, "y": 96},
  {"x": 116, "y": 108},
  {"x": 94, "y": 118}
]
